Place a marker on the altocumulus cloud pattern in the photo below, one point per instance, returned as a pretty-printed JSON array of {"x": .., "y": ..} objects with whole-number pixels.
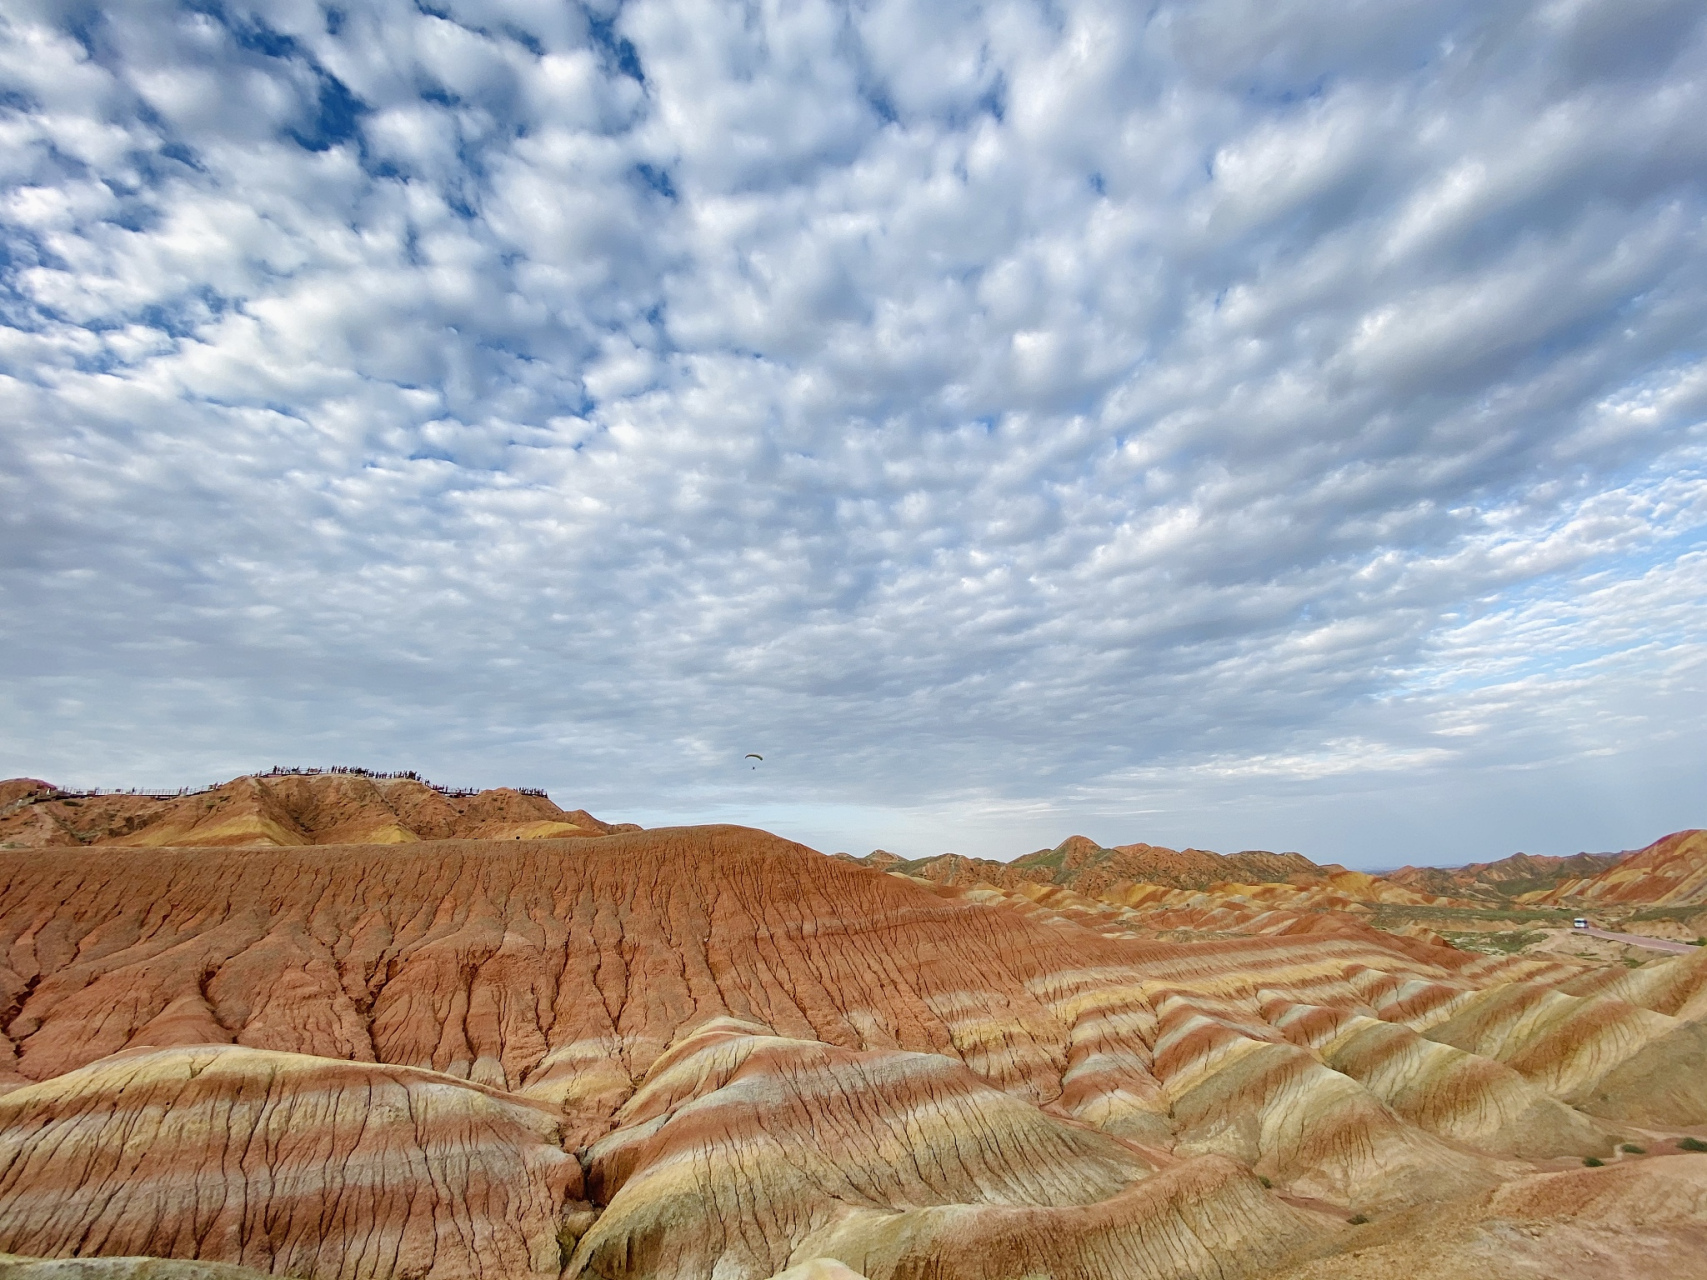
[{"x": 1243, "y": 420}]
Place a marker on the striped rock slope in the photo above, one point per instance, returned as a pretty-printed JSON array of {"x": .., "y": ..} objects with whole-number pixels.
[
  {"x": 284, "y": 1162},
  {"x": 708, "y": 1052},
  {"x": 1671, "y": 872}
]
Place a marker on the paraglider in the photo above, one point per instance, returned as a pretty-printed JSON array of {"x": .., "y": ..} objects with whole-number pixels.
[{"x": 753, "y": 755}]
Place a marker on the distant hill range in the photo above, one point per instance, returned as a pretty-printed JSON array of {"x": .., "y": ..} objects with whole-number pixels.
[
  {"x": 1506, "y": 879},
  {"x": 1670, "y": 872},
  {"x": 287, "y": 807},
  {"x": 1080, "y": 864}
]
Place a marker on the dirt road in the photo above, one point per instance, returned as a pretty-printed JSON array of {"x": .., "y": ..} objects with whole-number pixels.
[{"x": 1639, "y": 940}]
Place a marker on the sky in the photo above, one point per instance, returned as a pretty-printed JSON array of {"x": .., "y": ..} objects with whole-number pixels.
[{"x": 1241, "y": 423}]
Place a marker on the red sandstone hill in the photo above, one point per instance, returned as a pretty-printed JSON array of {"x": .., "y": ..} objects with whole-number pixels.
[
  {"x": 710, "y": 1052},
  {"x": 1671, "y": 872},
  {"x": 284, "y": 809}
]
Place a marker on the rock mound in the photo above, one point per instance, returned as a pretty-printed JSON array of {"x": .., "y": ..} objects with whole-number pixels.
[{"x": 1204, "y": 1218}]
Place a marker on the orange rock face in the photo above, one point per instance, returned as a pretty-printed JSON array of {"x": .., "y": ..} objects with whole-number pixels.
[{"x": 709, "y": 1052}]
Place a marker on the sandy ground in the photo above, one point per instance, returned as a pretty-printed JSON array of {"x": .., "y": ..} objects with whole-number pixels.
[
  {"x": 1587, "y": 944},
  {"x": 1641, "y": 940}
]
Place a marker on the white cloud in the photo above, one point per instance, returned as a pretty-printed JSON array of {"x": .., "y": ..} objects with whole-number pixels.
[{"x": 1223, "y": 423}]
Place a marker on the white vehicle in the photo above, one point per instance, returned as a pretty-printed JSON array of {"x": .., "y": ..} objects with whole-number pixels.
[{"x": 1580, "y": 922}]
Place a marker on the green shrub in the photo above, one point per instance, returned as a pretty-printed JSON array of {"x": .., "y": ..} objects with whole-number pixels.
[
  {"x": 1593, "y": 1162},
  {"x": 1691, "y": 1144},
  {"x": 1357, "y": 1219},
  {"x": 1264, "y": 1181},
  {"x": 1630, "y": 1148}
]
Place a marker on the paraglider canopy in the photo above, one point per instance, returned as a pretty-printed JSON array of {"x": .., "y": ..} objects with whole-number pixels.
[{"x": 753, "y": 755}]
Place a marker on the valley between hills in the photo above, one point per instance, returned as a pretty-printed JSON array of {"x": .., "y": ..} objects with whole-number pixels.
[{"x": 342, "y": 1026}]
